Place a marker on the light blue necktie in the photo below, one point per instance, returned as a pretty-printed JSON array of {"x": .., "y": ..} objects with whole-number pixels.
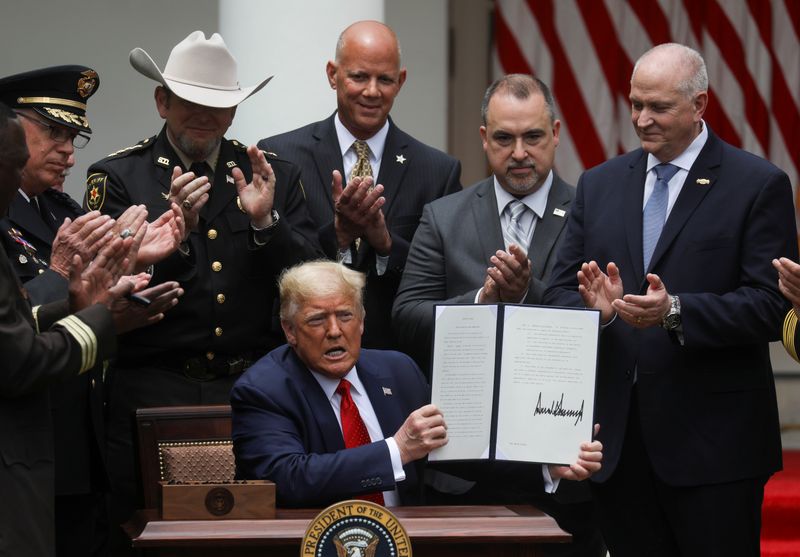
[
  {"x": 655, "y": 212},
  {"x": 513, "y": 233}
]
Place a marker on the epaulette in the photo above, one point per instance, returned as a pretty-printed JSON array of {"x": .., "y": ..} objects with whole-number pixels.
[
  {"x": 238, "y": 146},
  {"x": 127, "y": 150}
]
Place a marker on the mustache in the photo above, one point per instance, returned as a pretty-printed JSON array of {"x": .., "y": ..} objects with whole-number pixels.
[{"x": 524, "y": 164}]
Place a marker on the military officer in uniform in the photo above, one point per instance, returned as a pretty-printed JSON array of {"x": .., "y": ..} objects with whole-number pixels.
[
  {"x": 32, "y": 361},
  {"x": 246, "y": 220},
  {"x": 50, "y": 104}
]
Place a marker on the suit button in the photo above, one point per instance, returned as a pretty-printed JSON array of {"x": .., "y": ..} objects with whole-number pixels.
[
  {"x": 212, "y": 234},
  {"x": 220, "y": 298},
  {"x": 218, "y": 331},
  {"x": 209, "y": 355},
  {"x": 93, "y": 383},
  {"x": 628, "y": 373},
  {"x": 216, "y": 266}
]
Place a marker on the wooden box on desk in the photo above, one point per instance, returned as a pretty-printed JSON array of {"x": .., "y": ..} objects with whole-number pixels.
[{"x": 253, "y": 499}]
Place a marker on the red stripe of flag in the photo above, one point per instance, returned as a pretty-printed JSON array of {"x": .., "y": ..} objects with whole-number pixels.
[
  {"x": 787, "y": 117},
  {"x": 508, "y": 51},
  {"x": 731, "y": 48},
  {"x": 565, "y": 87},
  {"x": 793, "y": 9},
  {"x": 613, "y": 58},
  {"x": 652, "y": 19}
]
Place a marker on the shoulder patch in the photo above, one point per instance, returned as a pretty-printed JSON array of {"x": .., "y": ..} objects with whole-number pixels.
[
  {"x": 96, "y": 190},
  {"x": 141, "y": 145}
]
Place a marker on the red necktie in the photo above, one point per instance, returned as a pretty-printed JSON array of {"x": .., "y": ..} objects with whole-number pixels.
[{"x": 354, "y": 430}]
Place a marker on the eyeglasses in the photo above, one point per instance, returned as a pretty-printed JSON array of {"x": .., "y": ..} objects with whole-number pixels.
[{"x": 60, "y": 134}]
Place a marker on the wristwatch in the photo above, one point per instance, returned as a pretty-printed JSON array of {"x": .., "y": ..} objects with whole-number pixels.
[{"x": 672, "y": 319}]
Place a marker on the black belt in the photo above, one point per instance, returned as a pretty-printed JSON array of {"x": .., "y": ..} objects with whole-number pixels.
[
  {"x": 203, "y": 369},
  {"x": 200, "y": 368}
]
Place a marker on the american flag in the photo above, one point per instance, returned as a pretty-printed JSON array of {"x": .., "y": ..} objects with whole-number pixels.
[{"x": 585, "y": 51}]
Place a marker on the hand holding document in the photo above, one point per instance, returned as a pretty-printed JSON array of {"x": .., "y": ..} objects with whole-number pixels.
[{"x": 515, "y": 382}]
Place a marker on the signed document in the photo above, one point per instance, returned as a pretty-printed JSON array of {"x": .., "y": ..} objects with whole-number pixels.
[{"x": 514, "y": 382}]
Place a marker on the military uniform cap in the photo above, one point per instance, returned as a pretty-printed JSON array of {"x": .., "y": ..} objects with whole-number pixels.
[{"x": 58, "y": 93}]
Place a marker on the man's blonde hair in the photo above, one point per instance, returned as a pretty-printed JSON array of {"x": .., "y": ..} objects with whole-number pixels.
[{"x": 318, "y": 279}]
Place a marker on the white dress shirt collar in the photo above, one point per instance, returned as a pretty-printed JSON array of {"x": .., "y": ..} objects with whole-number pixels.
[
  {"x": 376, "y": 143},
  {"x": 685, "y": 160},
  {"x": 329, "y": 384}
]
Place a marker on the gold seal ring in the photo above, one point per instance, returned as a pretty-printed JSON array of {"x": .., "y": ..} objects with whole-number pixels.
[
  {"x": 187, "y": 204},
  {"x": 638, "y": 320}
]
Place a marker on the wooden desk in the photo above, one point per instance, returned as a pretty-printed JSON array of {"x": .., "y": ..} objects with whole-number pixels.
[{"x": 490, "y": 531}]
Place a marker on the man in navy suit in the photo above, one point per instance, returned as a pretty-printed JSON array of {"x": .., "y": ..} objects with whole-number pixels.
[
  {"x": 289, "y": 425},
  {"x": 369, "y": 224},
  {"x": 673, "y": 242}
]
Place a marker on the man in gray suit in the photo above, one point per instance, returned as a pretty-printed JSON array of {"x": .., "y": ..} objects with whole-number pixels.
[
  {"x": 496, "y": 242},
  {"x": 462, "y": 251}
]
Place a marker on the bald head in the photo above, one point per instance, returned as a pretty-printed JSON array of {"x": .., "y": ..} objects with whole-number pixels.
[
  {"x": 679, "y": 63},
  {"x": 368, "y": 33},
  {"x": 366, "y": 76}
]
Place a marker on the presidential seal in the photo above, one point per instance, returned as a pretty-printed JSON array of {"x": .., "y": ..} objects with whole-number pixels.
[
  {"x": 219, "y": 501},
  {"x": 355, "y": 529}
]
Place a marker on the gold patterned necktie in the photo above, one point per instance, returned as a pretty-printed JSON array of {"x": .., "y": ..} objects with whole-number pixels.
[{"x": 362, "y": 168}]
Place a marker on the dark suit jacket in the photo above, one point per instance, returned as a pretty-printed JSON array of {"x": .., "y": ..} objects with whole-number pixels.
[
  {"x": 451, "y": 251},
  {"x": 285, "y": 430},
  {"x": 707, "y": 407},
  {"x": 77, "y": 402},
  {"x": 423, "y": 175},
  {"x": 31, "y": 362}
]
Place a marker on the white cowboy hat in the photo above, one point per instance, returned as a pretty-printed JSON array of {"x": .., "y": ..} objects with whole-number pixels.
[{"x": 199, "y": 70}]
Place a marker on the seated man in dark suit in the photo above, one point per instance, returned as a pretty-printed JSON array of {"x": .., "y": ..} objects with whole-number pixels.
[
  {"x": 315, "y": 416},
  {"x": 324, "y": 419}
]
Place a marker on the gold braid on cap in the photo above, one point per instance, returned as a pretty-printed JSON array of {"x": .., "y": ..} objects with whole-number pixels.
[{"x": 50, "y": 100}]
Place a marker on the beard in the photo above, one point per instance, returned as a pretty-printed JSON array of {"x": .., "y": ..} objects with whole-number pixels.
[
  {"x": 197, "y": 150},
  {"x": 522, "y": 185}
]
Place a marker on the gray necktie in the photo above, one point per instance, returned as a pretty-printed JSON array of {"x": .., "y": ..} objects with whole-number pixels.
[
  {"x": 655, "y": 212},
  {"x": 514, "y": 232}
]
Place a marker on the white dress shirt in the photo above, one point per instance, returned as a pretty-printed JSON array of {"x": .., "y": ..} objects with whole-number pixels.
[{"x": 359, "y": 395}]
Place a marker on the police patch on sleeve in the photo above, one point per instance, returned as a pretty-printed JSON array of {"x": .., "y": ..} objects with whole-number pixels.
[{"x": 96, "y": 190}]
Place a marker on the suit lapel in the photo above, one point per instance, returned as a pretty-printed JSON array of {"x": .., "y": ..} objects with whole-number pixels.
[
  {"x": 699, "y": 181},
  {"x": 549, "y": 227},
  {"x": 327, "y": 156},
  {"x": 389, "y": 416},
  {"x": 392, "y": 170},
  {"x": 484, "y": 210},
  {"x": 632, "y": 196},
  {"x": 323, "y": 414},
  {"x": 22, "y": 214},
  {"x": 223, "y": 192}
]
